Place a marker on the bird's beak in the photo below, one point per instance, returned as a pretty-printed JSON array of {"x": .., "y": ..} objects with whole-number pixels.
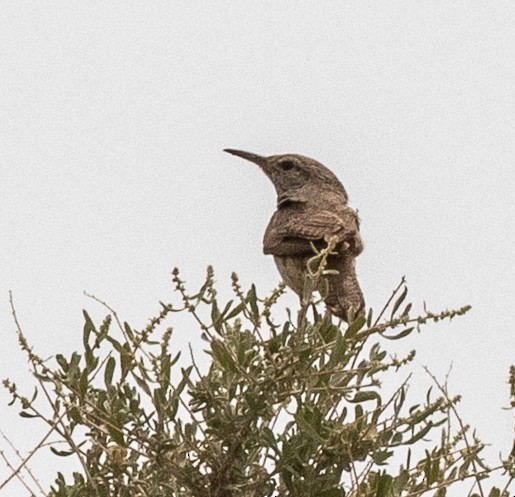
[{"x": 256, "y": 159}]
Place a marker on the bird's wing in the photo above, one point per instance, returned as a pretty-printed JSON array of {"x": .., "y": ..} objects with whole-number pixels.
[
  {"x": 320, "y": 225},
  {"x": 292, "y": 235}
]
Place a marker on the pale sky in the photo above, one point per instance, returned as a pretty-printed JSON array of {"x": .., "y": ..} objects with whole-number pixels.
[{"x": 113, "y": 117}]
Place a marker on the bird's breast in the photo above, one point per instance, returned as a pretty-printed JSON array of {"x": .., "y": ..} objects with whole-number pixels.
[{"x": 292, "y": 270}]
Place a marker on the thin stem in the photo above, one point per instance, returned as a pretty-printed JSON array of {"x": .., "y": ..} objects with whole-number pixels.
[
  {"x": 462, "y": 427},
  {"x": 17, "y": 452}
]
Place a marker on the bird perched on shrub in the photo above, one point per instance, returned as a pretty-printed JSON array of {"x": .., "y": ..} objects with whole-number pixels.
[{"x": 312, "y": 208}]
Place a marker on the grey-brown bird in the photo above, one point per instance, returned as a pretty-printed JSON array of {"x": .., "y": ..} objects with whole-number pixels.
[{"x": 311, "y": 208}]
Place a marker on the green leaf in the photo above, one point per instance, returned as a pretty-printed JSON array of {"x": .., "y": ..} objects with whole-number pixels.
[
  {"x": 175, "y": 359},
  {"x": 43, "y": 378},
  {"x": 428, "y": 394},
  {"x": 252, "y": 300},
  {"x": 83, "y": 383},
  {"x": 381, "y": 456},
  {"x": 422, "y": 433},
  {"x": 355, "y": 326},
  {"x": 75, "y": 361},
  {"x": 116, "y": 435},
  {"x": 406, "y": 311},
  {"x": 215, "y": 315},
  {"x": 109, "y": 370},
  {"x": 91, "y": 362},
  {"x": 399, "y": 401},
  {"x": 396, "y": 439},
  {"x": 34, "y": 395},
  {"x": 121, "y": 347},
  {"x": 142, "y": 384},
  {"x": 128, "y": 331},
  {"x": 402, "y": 334},
  {"x": 190, "y": 430},
  {"x": 323, "y": 288},
  {"x": 441, "y": 492},
  {"x": 226, "y": 308},
  {"x": 62, "y": 453},
  {"x": 173, "y": 408},
  {"x": 435, "y": 471},
  {"x": 306, "y": 428},
  {"x": 74, "y": 414},
  {"x": 25, "y": 414},
  {"x": 125, "y": 360},
  {"x": 399, "y": 301},
  {"x": 328, "y": 331},
  {"x": 408, "y": 459},
  {"x": 384, "y": 485},
  {"x": 364, "y": 396},
  {"x": 166, "y": 367},
  {"x": 400, "y": 483},
  {"x": 223, "y": 357},
  {"x": 343, "y": 415},
  {"x": 89, "y": 327},
  {"x": 338, "y": 352},
  {"x": 184, "y": 381},
  {"x": 370, "y": 317},
  {"x": 237, "y": 310},
  {"x": 62, "y": 362},
  {"x": 307, "y": 289},
  {"x": 268, "y": 438}
]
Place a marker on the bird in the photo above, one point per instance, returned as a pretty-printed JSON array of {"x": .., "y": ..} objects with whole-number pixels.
[{"x": 311, "y": 209}]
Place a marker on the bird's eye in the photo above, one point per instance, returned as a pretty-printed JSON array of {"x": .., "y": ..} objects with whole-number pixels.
[{"x": 286, "y": 165}]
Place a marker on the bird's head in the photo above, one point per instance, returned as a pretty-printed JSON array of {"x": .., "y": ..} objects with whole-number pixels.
[{"x": 296, "y": 178}]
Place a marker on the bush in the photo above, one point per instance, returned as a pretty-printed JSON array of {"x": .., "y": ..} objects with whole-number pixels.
[{"x": 284, "y": 409}]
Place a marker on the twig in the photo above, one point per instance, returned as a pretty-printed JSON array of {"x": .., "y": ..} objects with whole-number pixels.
[
  {"x": 17, "y": 452},
  {"x": 388, "y": 302},
  {"x": 53, "y": 424},
  {"x": 462, "y": 427},
  {"x": 29, "y": 456}
]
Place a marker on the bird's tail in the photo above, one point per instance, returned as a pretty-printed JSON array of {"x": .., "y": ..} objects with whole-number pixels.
[{"x": 345, "y": 298}]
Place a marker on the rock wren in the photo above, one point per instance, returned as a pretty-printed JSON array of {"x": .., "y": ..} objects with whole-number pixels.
[{"x": 311, "y": 208}]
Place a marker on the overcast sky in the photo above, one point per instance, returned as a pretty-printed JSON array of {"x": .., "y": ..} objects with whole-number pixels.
[{"x": 113, "y": 117}]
